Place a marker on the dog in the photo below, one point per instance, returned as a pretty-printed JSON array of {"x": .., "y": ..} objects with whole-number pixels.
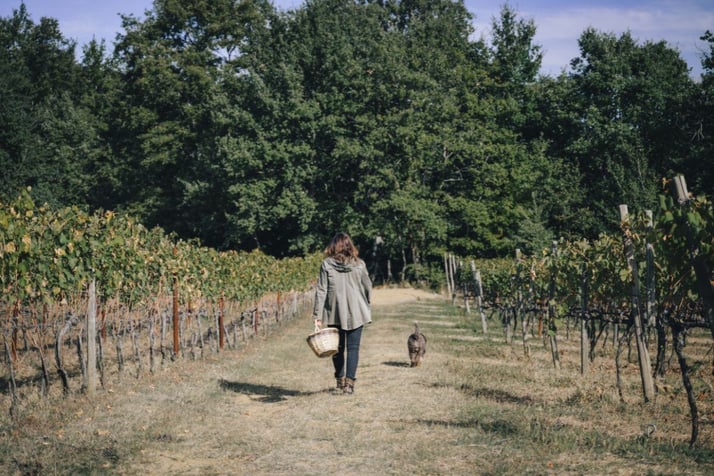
[{"x": 416, "y": 343}]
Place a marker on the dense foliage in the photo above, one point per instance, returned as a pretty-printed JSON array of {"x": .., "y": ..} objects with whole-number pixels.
[{"x": 244, "y": 127}]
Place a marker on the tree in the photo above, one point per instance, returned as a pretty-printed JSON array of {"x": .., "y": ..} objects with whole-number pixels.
[
  {"x": 516, "y": 60},
  {"x": 620, "y": 122},
  {"x": 166, "y": 140},
  {"x": 47, "y": 136},
  {"x": 99, "y": 80},
  {"x": 501, "y": 179},
  {"x": 700, "y": 128}
]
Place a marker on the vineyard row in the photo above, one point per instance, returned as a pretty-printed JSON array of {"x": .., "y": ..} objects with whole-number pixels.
[
  {"x": 68, "y": 276},
  {"x": 653, "y": 284}
]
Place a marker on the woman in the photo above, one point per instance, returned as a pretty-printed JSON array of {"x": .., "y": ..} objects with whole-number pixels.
[{"x": 342, "y": 300}]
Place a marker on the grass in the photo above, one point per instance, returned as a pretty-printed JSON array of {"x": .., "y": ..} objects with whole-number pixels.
[{"x": 476, "y": 406}]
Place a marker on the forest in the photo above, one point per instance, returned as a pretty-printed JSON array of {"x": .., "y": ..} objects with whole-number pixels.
[{"x": 245, "y": 127}]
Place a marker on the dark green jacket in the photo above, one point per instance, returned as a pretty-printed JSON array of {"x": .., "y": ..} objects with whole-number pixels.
[{"x": 343, "y": 295}]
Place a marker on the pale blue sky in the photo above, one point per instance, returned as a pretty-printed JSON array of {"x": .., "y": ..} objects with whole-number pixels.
[{"x": 559, "y": 22}]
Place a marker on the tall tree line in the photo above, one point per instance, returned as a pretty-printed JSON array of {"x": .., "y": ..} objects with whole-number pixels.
[{"x": 245, "y": 126}]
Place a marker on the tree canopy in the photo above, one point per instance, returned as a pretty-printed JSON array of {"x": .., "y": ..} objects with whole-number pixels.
[{"x": 247, "y": 127}]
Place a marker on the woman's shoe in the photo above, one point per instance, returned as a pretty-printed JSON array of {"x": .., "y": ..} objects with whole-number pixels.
[
  {"x": 340, "y": 387},
  {"x": 349, "y": 387}
]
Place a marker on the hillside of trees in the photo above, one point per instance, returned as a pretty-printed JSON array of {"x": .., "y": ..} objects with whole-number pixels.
[{"x": 248, "y": 127}]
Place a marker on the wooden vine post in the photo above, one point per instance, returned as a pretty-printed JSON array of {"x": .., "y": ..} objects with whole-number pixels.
[
  {"x": 91, "y": 383},
  {"x": 452, "y": 268},
  {"x": 584, "y": 339},
  {"x": 478, "y": 292},
  {"x": 465, "y": 285},
  {"x": 447, "y": 273},
  {"x": 175, "y": 312},
  {"x": 221, "y": 328},
  {"x": 643, "y": 356},
  {"x": 650, "y": 308},
  {"x": 519, "y": 313},
  {"x": 552, "y": 309}
]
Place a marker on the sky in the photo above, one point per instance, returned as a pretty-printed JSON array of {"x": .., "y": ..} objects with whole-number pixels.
[{"x": 559, "y": 23}]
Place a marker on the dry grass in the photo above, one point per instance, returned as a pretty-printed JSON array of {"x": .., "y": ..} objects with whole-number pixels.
[{"x": 476, "y": 406}]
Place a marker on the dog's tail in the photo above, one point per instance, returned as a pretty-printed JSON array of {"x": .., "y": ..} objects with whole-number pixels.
[{"x": 416, "y": 328}]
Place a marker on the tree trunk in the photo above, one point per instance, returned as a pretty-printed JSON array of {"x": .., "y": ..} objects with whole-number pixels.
[
  {"x": 12, "y": 382},
  {"x": 137, "y": 351},
  {"x": 678, "y": 337},
  {"x": 64, "y": 377},
  {"x": 618, "y": 368}
]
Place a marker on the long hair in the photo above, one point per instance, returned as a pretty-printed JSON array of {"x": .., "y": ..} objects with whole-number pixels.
[{"x": 342, "y": 249}]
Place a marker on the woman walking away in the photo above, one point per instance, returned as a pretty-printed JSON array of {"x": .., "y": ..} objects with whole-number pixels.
[{"x": 342, "y": 300}]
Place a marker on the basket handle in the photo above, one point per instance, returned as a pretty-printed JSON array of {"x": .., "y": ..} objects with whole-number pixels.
[{"x": 317, "y": 328}]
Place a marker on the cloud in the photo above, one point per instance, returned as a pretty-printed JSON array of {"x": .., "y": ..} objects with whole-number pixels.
[{"x": 679, "y": 23}]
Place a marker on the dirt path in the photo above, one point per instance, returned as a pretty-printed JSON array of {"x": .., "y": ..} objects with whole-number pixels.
[{"x": 268, "y": 410}]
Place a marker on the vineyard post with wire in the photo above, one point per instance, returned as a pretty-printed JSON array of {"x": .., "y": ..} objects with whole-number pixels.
[
  {"x": 478, "y": 293},
  {"x": 584, "y": 340},
  {"x": 447, "y": 273},
  {"x": 91, "y": 384},
  {"x": 643, "y": 356},
  {"x": 175, "y": 313},
  {"x": 551, "y": 307},
  {"x": 453, "y": 273},
  {"x": 519, "y": 307}
]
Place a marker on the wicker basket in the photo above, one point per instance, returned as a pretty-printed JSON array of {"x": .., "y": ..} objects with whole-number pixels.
[{"x": 324, "y": 342}]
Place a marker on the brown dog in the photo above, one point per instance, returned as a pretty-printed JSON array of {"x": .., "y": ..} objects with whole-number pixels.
[{"x": 416, "y": 343}]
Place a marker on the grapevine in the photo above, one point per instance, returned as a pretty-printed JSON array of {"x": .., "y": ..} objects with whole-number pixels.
[
  {"x": 48, "y": 258},
  {"x": 590, "y": 283}
]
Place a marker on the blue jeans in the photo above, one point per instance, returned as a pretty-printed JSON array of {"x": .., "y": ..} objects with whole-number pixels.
[{"x": 349, "y": 340}]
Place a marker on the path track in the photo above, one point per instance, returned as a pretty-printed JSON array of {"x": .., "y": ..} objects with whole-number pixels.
[
  {"x": 477, "y": 406},
  {"x": 269, "y": 410}
]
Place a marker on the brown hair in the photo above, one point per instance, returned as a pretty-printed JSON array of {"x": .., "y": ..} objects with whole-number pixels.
[{"x": 342, "y": 249}]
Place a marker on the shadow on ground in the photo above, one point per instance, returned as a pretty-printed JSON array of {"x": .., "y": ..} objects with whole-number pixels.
[
  {"x": 267, "y": 393},
  {"x": 394, "y": 363},
  {"x": 501, "y": 427}
]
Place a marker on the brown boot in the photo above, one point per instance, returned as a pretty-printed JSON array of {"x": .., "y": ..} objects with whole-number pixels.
[
  {"x": 340, "y": 387},
  {"x": 349, "y": 387}
]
